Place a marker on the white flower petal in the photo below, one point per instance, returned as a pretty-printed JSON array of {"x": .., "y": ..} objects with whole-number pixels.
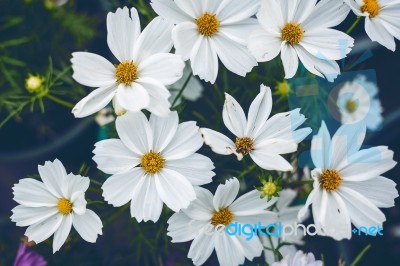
[
  {"x": 174, "y": 189},
  {"x": 378, "y": 33},
  {"x": 123, "y": 29},
  {"x": 231, "y": 11},
  {"x": 270, "y": 17},
  {"x": 118, "y": 188},
  {"x": 251, "y": 203},
  {"x": 186, "y": 141},
  {"x": 303, "y": 9},
  {"x": 95, "y": 101},
  {"x": 240, "y": 64},
  {"x": 362, "y": 211},
  {"x": 251, "y": 247},
  {"x": 239, "y": 32},
  {"x": 41, "y": 231},
  {"x": 164, "y": 129},
  {"x": 112, "y": 156},
  {"x": 276, "y": 146},
  {"x": 326, "y": 14},
  {"x": 204, "y": 60},
  {"x": 201, "y": 248},
  {"x": 286, "y": 197},
  {"x": 133, "y": 97},
  {"x": 259, "y": 111},
  {"x": 290, "y": 60},
  {"x": 146, "y": 204},
  {"x": 229, "y": 250},
  {"x": 226, "y": 194},
  {"x": 78, "y": 202},
  {"x": 233, "y": 116},
  {"x": 88, "y": 226},
  {"x": 196, "y": 168},
  {"x": 201, "y": 209},
  {"x": 321, "y": 148},
  {"x": 54, "y": 175},
  {"x": 25, "y": 216},
  {"x": 185, "y": 35},
  {"x": 324, "y": 68},
  {"x": 166, "y": 68},
  {"x": 169, "y": 10},
  {"x": 77, "y": 183},
  {"x": 310, "y": 200},
  {"x": 62, "y": 232},
  {"x": 191, "y": 7},
  {"x": 355, "y": 7},
  {"x": 264, "y": 46},
  {"x": 155, "y": 38},
  {"x": 270, "y": 161},
  {"x": 158, "y": 93},
  {"x": 181, "y": 228},
  {"x": 92, "y": 70},
  {"x": 135, "y": 132},
  {"x": 218, "y": 142},
  {"x": 32, "y": 193}
]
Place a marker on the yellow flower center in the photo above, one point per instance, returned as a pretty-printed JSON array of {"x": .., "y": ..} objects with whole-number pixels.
[
  {"x": 223, "y": 216},
  {"x": 330, "y": 179},
  {"x": 207, "y": 24},
  {"x": 244, "y": 145},
  {"x": 126, "y": 72},
  {"x": 152, "y": 162},
  {"x": 269, "y": 188},
  {"x": 351, "y": 106},
  {"x": 64, "y": 206},
  {"x": 292, "y": 32},
  {"x": 372, "y": 7},
  {"x": 283, "y": 88}
]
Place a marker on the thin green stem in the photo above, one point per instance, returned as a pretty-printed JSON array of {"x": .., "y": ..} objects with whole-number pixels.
[
  {"x": 355, "y": 23},
  {"x": 360, "y": 255},
  {"x": 182, "y": 89},
  {"x": 116, "y": 214},
  {"x": 59, "y": 101}
]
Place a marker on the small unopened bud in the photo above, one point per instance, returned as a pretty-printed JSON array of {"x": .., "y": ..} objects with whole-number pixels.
[{"x": 34, "y": 83}]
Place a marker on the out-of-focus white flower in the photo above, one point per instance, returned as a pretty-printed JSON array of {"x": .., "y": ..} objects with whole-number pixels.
[
  {"x": 357, "y": 101},
  {"x": 301, "y": 30},
  {"x": 54, "y": 205},
  {"x": 382, "y": 19},
  {"x": 348, "y": 186},
  {"x": 212, "y": 212},
  {"x": 262, "y": 138},
  {"x": 104, "y": 117},
  {"x": 206, "y": 31},
  {"x": 145, "y": 67},
  {"x": 299, "y": 259},
  {"x": 153, "y": 162}
]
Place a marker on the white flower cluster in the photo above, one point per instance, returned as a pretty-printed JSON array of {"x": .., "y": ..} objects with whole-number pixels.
[{"x": 155, "y": 159}]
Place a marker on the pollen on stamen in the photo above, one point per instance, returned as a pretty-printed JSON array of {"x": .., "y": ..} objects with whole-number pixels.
[
  {"x": 152, "y": 162},
  {"x": 223, "y": 216},
  {"x": 292, "y": 32},
  {"x": 372, "y": 7},
  {"x": 64, "y": 206},
  {"x": 207, "y": 24},
  {"x": 126, "y": 72},
  {"x": 351, "y": 106},
  {"x": 330, "y": 180},
  {"x": 244, "y": 145}
]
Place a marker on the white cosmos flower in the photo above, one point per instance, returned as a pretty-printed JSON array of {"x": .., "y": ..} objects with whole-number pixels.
[
  {"x": 54, "y": 205},
  {"x": 299, "y": 259},
  {"x": 262, "y": 138},
  {"x": 301, "y": 30},
  {"x": 192, "y": 91},
  {"x": 154, "y": 161},
  {"x": 382, "y": 19},
  {"x": 145, "y": 67},
  {"x": 287, "y": 215},
  {"x": 207, "y": 30},
  {"x": 357, "y": 101},
  {"x": 201, "y": 220},
  {"x": 348, "y": 186}
]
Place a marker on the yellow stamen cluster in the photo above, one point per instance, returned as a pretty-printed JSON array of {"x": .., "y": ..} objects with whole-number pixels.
[
  {"x": 244, "y": 145},
  {"x": 330, "y": 179},
  {"x": 292, "y": 32},
  {"x": 372, "y": 7},
  {"x": 64, "y": 206},
  {"x": 208, "y": 24},
  {"x": 223, "y": 216},
  {"x": 269, "y": 188},
  {"x": 126, "y": 72},
  {"x": 152, "y": 162},
  {"x": 351, "y": 106}
]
